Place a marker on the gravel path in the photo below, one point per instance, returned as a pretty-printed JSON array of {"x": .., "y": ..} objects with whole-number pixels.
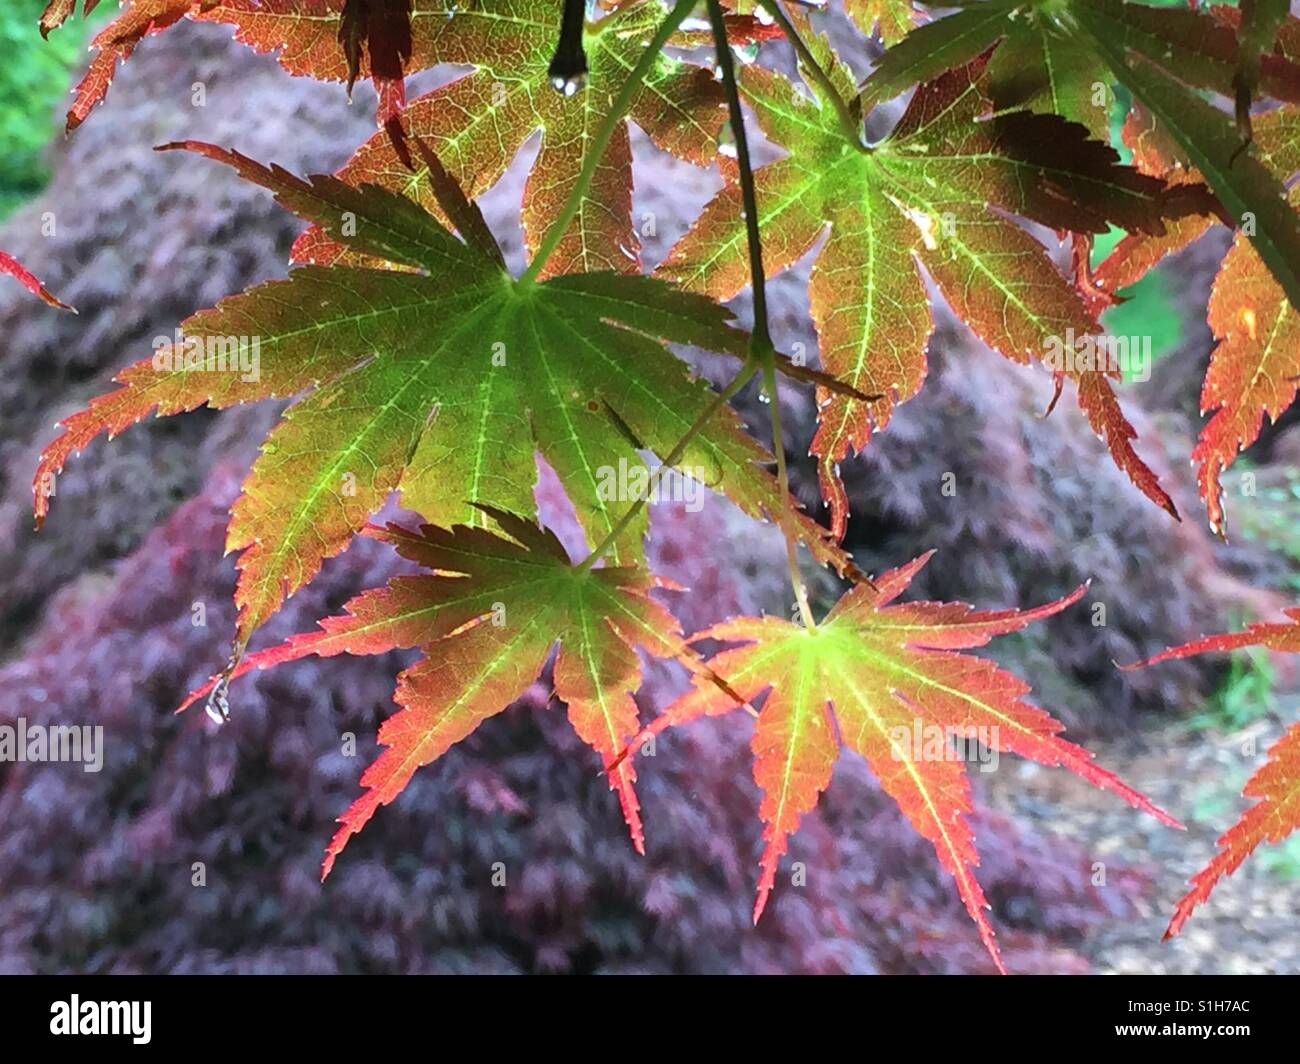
[{"x": 1251, "y": 925}]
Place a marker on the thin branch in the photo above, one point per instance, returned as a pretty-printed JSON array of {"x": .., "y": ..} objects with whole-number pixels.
[
  {"x": 783, "y": 487},
  {"x": 761, "y": 347},
  {"x": 760, "y": 338}
]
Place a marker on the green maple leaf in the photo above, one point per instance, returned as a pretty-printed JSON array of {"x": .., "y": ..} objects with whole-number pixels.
[
  {"x": 1055, "y": 55},
  {"x": 1046, "y": 61},
  {"x": 887, "y": 679},
  {"x": 936, "y": 194},
  {"x": 890, "y": 20},
  {"x": 442, "y": 383},
  {"x": 477, "y": 123},
  {"x": 487, "y": 617},
  {"x": 1259, "y": 25}
]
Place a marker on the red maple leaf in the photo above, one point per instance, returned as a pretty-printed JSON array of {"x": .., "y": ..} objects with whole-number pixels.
[{"x": 1276, "y": 785}]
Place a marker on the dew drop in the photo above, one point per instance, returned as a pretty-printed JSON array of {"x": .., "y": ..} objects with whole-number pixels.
[
  {"x": 569, "y": 86},
  {"x": 218, "y": 705}
]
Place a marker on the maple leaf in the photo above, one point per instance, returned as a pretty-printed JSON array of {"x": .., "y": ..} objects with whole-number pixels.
[
  {"x": 1255, "y": 368},
  {"x": 11, "y": 267},
  {"x": 1046, "y": 61},
  {"x": 486, "y": 619},
  {"x": 379, "y": 30},
  {"x": 889, "y": 680},
  {"x": 115, "y": 42},
  {"x": 1158, "y": 55},
  {"x": 443, "y": 384},
  {"x": 1136, "y": 254},
  {"x": 1260, "y": 22},
  {"x": 477, "y": 123},
  {"x": 1276, "y": 785},
  {"x": 341, "y": 40},
  {"x": 1254, "y": 371},
  {"x": 936, "y": 192},
  {"x": 112, "y": 44},
  {"x": 57, "y": 11},
  {"x": 890, "y": 20},
  {"x": 887, "y": 19},
  {"x": 332, "y": 40}
]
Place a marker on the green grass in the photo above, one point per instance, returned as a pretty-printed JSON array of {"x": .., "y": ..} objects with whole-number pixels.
[
  {"x": 34, "y": 81},
  {"x": 1151, "y": 310},
  {"x": 1283, "y": 860},
  {"x": 1244, "y": 696},
  {"x": 1151, "y": 305},
  {"x": 1272, "y": 519}
]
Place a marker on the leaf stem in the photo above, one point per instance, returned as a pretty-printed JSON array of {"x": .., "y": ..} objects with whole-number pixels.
[
  {"x": 783, "y": 486},
  {"x": 596, "y": 149},
  {"x": 742, "y": 377},
  {"x": 852, "y": 125},
  {"x": 760, "y": 344},
  {"x": 760, "y": 338}
]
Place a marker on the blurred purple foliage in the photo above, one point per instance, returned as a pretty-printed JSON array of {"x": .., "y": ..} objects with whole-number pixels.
[{"x": 96, "y": 868}]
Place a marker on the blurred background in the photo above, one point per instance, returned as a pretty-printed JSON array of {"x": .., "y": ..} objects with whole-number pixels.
[{"x": 97, "y": 626}]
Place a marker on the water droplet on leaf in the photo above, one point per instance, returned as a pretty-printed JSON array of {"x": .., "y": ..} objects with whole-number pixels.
[{"x": 569, "y": 86}]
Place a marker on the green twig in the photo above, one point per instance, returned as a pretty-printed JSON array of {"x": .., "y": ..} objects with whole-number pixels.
[
  {"x": 783, "y": 486},
  {"x": 760, "y": 339},
  {"x": 761, "y": 348}
]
